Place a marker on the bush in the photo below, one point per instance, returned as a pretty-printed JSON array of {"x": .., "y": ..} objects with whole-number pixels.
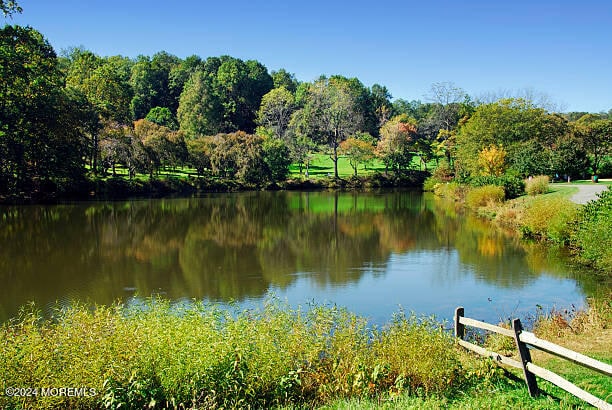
[
  {"x": 200, "y": 356},
  {"x": 513, "y": 185},
  {"x": 537, "y": 185},
  {"x": 484, "y": 195},
  {"x": 549, "y": 218},
  {"x": 592, "y": 236},
  {"x": 451, "y": 190}
]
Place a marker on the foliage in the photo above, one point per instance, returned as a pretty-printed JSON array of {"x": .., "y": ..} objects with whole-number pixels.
[
  {"x": 200, "y": 108},
  {"x": 549, "y": 219},
  {"x": 513, "y": 185},
  {"x": 484, "y": 195},
  {"x": 511, "y": 123},
  {"x": 596, "y": 135},
  {"x": 331, "y": 114},
  {"x": 592, "y": 235},
  {"x": 451, "y": 190},
  {"x": 275, "y": 111},
  {"x": 358, "y": 150},
  {"x": 42, "y": 126},
  {"x": 9, "y": 7},
  {"x": 537, "y": 185},
  {"x": 396, "y": 145},
  {"x": 492, "y": 161},
  {"x": 276, "y": 158},
  {"x": 162, "y": 116},
  {"x": 201, "y": 356}
]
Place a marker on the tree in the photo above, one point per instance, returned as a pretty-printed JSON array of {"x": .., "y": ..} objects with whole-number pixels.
[
  {"x": 162, "y": 116},
  {"x": 41, "y": 126},
  {"x": 241, "y": 86},
  {"x": 277, "y": 159},
  {"x": 282, "y": 78},
  {"x": 275, "y": 111},
  {"x": 334, "y": 114},
  {"x": 514, "y": 124},
  {"x": 9, "y": 7},
  {"x": 199, "y": 150},
  {"x": 396, "y": 145},
  {"x": 380, "y": 100},
  {"x": 200, "y": 110},
  {"x": 358, "y": 149},
  {"x": 492, "y": 160},
  {"x": 596, "y": 136}
]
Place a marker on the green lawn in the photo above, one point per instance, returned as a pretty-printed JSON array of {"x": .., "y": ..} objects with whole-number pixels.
[{"x": 321, "y": 165}]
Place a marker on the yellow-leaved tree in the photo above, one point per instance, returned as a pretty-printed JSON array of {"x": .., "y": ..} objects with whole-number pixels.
[{"x": 492, "y": 160}]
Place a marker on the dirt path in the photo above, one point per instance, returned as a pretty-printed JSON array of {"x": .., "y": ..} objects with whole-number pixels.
[{"x": 586, "y": 192}]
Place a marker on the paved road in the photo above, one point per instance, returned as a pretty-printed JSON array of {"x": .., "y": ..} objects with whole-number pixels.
[{"x": 586, "y": 192}]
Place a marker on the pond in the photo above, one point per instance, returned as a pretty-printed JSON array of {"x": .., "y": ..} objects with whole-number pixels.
[{"x": 373, "y": 253}]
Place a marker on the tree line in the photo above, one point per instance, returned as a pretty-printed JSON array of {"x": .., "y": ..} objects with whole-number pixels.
[{"x": 78, "y": 115}]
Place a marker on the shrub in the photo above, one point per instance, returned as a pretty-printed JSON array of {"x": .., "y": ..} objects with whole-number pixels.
[
  {"x": 549, "y": 218},
  {"x": 537, "y": 185},
  {"x": 592, "y": 235},
  {"x": 484, "y": 195},
  {"x": 513, "y": 185},
  {"x": 451, "y": 190}
]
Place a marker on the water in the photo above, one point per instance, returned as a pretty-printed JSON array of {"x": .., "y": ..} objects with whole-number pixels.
[{"x": 374, "y": 253}]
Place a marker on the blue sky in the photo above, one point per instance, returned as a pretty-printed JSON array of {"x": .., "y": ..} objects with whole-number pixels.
[{"x": 561, "y": 48}]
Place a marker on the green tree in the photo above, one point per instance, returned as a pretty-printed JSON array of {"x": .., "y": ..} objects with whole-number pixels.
[
  {"x": 282, "y": 78},
  {"x": 596, "y": 136},
  {"x": 162, "y": 116},
  {"x": 41, "y": 126},
  {"x": 333, "y": 113},
  {"x": 513, "y": 124},
  {"x": 200, "y": 110},
  {"x": 9, "y": 7},
  {"x": 276, "y": 158},
  {"x": 275, "y": 111}
]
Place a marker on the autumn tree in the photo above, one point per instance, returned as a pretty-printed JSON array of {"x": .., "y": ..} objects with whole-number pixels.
[
  {"x": 396, "y": 145},
  {"x": 492, "y": 160}
]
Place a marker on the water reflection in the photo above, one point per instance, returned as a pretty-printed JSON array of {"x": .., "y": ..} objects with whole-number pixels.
[{"x": 239, "y": 246}]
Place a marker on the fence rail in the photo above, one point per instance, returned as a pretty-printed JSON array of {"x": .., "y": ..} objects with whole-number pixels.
[{"x": 524, "y": 341}]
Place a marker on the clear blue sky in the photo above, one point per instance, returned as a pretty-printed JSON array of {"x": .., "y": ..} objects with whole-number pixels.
[{"x": 562, "y": 48}]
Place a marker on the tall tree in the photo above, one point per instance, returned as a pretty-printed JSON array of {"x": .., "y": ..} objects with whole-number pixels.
[
  {"x": 41, "y": 127},
  {"x": 334, "y": 112},
  {"x": 200, "y": 110},
  {"x": 282, "y": 78},
  {"x": 275, "y": 111}
]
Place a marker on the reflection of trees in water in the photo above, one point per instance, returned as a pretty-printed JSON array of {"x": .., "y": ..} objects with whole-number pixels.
[{"x": 233, "y": 246}]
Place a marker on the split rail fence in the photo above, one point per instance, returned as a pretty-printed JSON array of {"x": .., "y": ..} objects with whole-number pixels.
[{"x": 524, "y": 341}]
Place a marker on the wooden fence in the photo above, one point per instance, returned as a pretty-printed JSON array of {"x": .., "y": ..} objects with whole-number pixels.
[{"x": 524, "y": 341}]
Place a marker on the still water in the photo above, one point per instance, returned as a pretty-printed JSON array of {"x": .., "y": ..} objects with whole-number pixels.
[{"x": 374, "y": 253}]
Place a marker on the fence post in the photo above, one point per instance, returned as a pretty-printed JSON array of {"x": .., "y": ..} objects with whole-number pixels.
[
  {"x": 532, "y": 384},
  {"x": 459, "y": 327}
]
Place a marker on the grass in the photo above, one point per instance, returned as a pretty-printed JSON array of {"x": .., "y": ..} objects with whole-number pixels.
[{"x": 322, "y": 165}]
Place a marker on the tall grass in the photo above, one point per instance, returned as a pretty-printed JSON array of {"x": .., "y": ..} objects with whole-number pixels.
[
  {"x": 484, "y": 195},
  {"x": 537, "y": 185},
  {"x": 549, "y": 218},
  {"x": 203, "y": 357}
]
